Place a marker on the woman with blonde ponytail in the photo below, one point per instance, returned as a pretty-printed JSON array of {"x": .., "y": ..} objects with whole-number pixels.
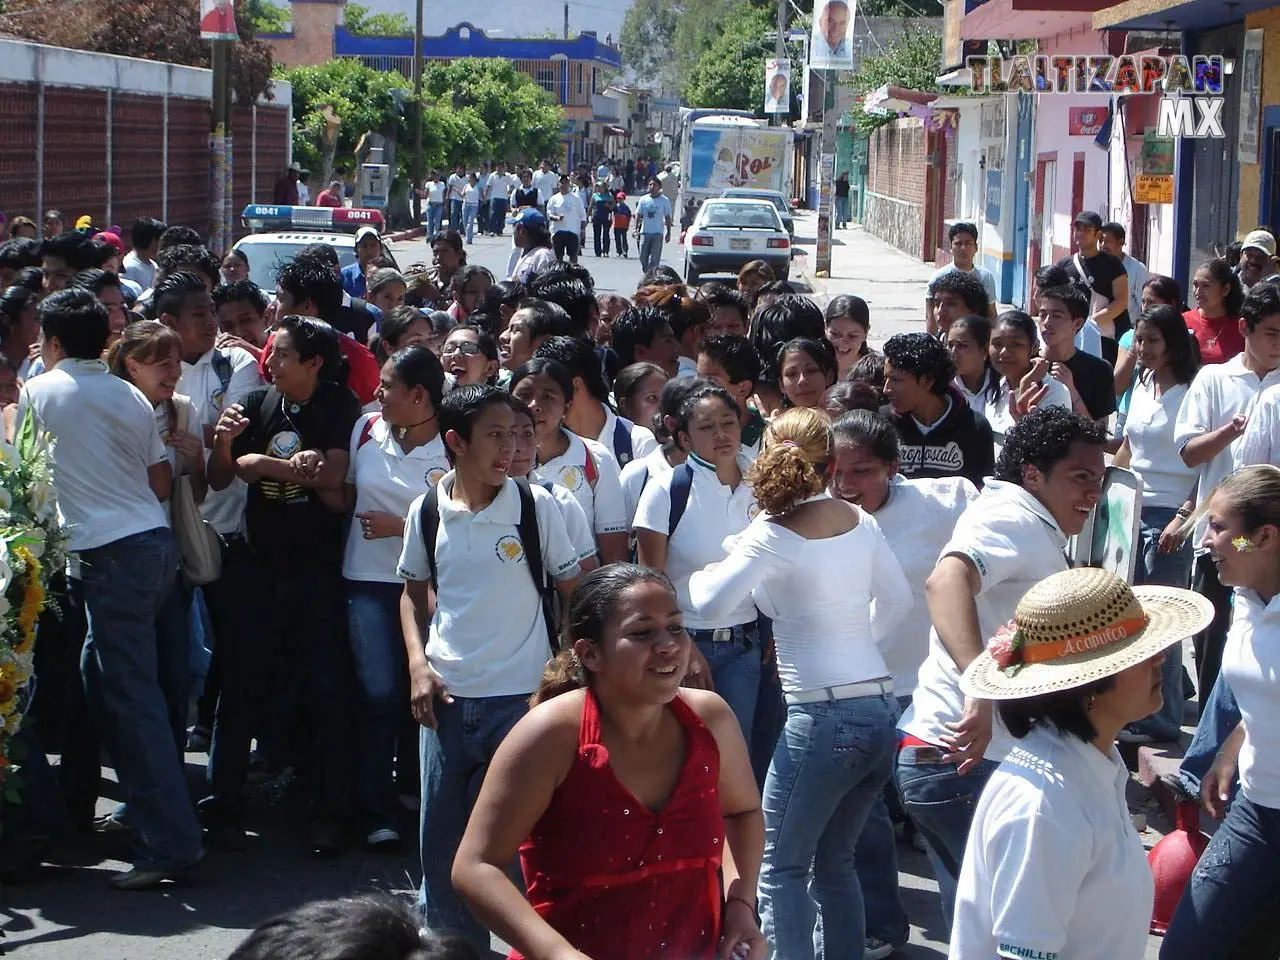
[{"x": 822, "y": 571}]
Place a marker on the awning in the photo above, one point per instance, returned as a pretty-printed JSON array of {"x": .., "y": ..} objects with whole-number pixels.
[
  {"x": 1175, "y": 14},
  {"x": 891, "y": 99},
  {"x": 612, "y": 131}
]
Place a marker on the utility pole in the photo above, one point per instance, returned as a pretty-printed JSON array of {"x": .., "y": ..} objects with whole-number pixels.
[
  {"x": 221, "y": 228},
  {"x": 780, "y": 52},
  {"x": 417, "y": 118},
  {"x": 566, "y": 21}
]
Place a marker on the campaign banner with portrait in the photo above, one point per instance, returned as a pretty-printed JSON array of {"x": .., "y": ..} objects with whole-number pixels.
[
  {"x": 831, "y": 45},
  {"x": 218, "y": 20},
  {"x": 777, "y": 86}
]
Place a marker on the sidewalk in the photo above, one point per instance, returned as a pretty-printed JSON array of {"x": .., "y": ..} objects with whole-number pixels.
[{"x": 892, "y": 283}]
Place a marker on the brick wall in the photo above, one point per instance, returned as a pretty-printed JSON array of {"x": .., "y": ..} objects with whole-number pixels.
[
  {"x": 75, "y": 136},
  {"x": 897, "y": 164}
]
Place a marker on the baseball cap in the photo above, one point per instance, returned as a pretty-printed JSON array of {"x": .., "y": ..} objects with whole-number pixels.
[
  {"x": 1260, "y": 240},
  {"x": 84, "y": 223},
  {"x": 529, "y": 217},
  {"x": 365, "y": 232},
  {"x": 1087, "y": 218},
  {"x": 620, "y": 195}
]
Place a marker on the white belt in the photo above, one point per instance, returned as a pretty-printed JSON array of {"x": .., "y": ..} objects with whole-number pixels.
[{"x": 846, "y": 691}]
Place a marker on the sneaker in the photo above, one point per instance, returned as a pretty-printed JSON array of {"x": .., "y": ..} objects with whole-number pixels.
[
  {"x": 874, "y": 948},
  {"x": 382, "y": 838},
  {"x": 1181, "y": 792},
  {"x": 144, "y": 878},
  {"x": 199, "y": 739},
  {"x": 116, "y": 822}
]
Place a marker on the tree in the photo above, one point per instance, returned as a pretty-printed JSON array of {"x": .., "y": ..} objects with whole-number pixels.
[
  {"x": 520, "y": 119},
  {"x": 648, "y": 32},
  {"x": 268, "y": 17},
  {"x": 910, "y": 61},
  {"x": 150, "y": 29},
  {"x": 730, "y": 73},
  {"x": 358, "y": 19}
]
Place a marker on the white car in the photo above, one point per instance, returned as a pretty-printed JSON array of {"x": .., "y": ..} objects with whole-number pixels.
[
  {"x": 285, "y": 230},
  {"x": 773, "y": 196},
  {"x": 728, "y": 233}
]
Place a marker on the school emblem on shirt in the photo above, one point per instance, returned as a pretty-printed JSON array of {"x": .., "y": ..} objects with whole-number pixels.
[
  {"x": 284, "y": 445},
  {"x": 217, "y": 398},
  {"x": 434, "y": 476},
  {"x": 510, "y": 549},
  {"x": 752, "y": 510},
  {"x": 571, "y": 478}
]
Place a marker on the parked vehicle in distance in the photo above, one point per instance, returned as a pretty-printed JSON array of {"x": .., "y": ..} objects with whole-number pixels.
[
  {"x": 773, "y": 196},
  {"x": 729, "y": 232}
]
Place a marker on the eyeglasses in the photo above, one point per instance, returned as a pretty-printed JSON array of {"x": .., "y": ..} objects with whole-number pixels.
[{"x": 466, "y": 348}]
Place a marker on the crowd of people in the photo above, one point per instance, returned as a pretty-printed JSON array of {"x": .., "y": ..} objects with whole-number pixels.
[{"x": 691, "y": 602}]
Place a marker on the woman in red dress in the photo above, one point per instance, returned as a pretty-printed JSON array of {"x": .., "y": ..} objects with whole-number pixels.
[{"x": 621, "y": 798}]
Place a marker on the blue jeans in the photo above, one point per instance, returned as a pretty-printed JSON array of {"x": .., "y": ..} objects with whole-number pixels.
[
  {"x": 940, "y": 803},
  {"x": 435, "y": 214},
  {"x": 469, "y": 213},
  {"x": 497, "y": 215},
  {"x": 650, "y": 251},
  {"x": 876, "y": 859},
  {"x": 455, "y": 214},
  {"x": 454, "y": 758},
  {"x": 1219, "y": 715},
  {"x": 1169, "y": 570},
  {"x": 1235, "y": 882},
  {"x": 842, "y": 211},
  {"x": 771, "y": 712},
  {"x": 381, "y": 693},
  {"x": 126, "y": 584},
  {"x": 832, "y": 761},
  {"x": 735, "y": 668}
]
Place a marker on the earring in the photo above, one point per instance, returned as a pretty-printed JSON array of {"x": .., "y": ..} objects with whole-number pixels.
[{"x": 1093, "y": 698}]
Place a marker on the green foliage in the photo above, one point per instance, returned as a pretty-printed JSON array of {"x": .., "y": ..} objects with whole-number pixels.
[
  {"x": 268, "y": 17},
  {"x": 910, "y": 61},
  {"x": 647, "y": 34},
  {"x": 730, "y": 73},
  {"x": 473, "y": 110},
  {"x": 519, "y": 119},
  {"x": 900, "y": 8},
  {"x": 358, "y": 19}
]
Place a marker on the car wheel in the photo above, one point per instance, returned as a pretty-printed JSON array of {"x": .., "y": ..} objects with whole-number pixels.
[
  {"x": 690, "y": 274},
  {"x": 783, "y": 274}
]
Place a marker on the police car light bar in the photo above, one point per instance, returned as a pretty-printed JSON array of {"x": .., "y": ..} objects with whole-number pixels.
[{"x": 274, "y": 216}]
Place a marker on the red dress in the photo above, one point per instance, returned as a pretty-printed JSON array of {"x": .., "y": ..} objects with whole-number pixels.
[{"x": 617, "y": 880}]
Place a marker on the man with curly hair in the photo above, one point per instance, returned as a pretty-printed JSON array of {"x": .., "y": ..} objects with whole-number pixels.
[
  {"x": 953, "y": 295},
  {"x": 940, "y": 434},
  {"x": 1047, "y": 480}
]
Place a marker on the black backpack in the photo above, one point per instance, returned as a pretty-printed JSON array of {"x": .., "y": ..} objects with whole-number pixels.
[{"x": 530, "y": 540}]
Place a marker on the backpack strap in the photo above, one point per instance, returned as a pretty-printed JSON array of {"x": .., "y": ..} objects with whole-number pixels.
[
  {"x": 367, "y": 431},
  {"x": 681, "y": 484},
  {"x": 221, "y": 364},
  {"x": 531, "y": 541},
  {"x": 430, "y": 523},
  {"x": 590, "y": 470},
  {"x": 622, "y": 448}
]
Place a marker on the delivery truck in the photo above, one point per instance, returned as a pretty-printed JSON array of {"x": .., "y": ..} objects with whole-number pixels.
[{"x": 720, "y": 149}]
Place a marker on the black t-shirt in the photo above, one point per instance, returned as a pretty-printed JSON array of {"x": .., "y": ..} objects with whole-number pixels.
[
  {"x": 286, "y": 522},
  {"x": 842, "y": 188},
  {"x": 1104, "y": 269},
  {"x": 1094, "y": 382},
  {"x": 525, "y": 198},
  {"x": 356, "y": 320}
]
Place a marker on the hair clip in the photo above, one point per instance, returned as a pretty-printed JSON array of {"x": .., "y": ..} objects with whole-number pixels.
[{"x": 791, "y": 443}]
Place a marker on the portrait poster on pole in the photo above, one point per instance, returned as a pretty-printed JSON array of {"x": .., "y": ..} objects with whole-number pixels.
[
  {"x": 218, "y": 20},
  {"x": 777, "y": 86}
]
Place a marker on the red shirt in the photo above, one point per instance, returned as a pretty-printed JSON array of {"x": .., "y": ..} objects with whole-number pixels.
[
  {"x": 1220, "y": 338},
  {"x": 327, "y": 198},
  {"x": 618, "y": 880}
]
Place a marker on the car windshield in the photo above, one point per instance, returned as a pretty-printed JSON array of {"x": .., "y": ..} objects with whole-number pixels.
[
  {"x": 266, "y": 259},
  {"x": 778, "y": 203},
  {"x": 755, "y": 216}
]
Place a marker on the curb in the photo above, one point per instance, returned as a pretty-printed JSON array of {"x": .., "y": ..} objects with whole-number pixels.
[
  {"x": 816, "y": 284},
  {"x": 407, "y": 234}
]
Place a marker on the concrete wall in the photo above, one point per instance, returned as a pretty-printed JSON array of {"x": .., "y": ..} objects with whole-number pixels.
[
  {"x": 1052, "y": 136},
  {"x": 896, "y": 171},
  {"x": 1251, "y": 173},
  {"x": 118, "y": 138}
]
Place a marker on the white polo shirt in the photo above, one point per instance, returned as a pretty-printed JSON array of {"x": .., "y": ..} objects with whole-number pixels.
[
  {"x": 576, "y": 523},
  {"x": 105, "y": 441},
  {"x": 712, "y": 513},
  {"x": 643, "y": 442},
  {"x": 1258, "y": 445},
  {"x": 918, "y": 520},
  {"x": 547, "y": 184},
  {"x": 1250, "y": 662},
  {"x": 602, "y": 503},
  {"x": 1053, "y": 866},
  {"x": 387, "y": 479},
  {"x": 488, "y": 637},
  {"x": 224, "y": 509},
  {"x": 1218, "y": 392},
  {"x": 1013, "y": 542},
  {"x": 637, "y": 474},
  {"x": 569, "y": 208}
]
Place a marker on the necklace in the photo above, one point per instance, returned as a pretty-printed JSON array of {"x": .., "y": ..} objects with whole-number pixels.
[{"x": 401, "y": 432}]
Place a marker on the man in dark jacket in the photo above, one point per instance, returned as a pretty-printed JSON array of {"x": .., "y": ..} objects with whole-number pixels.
[{"x": 940, "y": 434}]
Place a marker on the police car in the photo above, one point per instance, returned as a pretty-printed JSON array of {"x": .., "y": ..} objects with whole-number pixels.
[{"x": 280, "y": 231}]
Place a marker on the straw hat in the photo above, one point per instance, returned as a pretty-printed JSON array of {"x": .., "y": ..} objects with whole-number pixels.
[{"x": 1078, "y": 626}]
